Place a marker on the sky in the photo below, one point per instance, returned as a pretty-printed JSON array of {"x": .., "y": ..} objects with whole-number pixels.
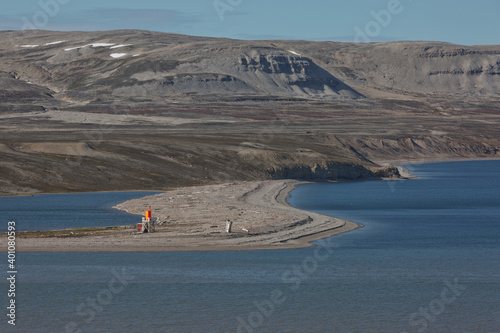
[{"x": 455, "y": 21}]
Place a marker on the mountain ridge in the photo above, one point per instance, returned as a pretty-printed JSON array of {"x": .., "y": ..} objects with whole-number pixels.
[{"x": 110, "y": 65}]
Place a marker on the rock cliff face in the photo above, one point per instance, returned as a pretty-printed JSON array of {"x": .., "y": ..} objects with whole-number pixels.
[
  {"x": 334, "y": 171},
  {"x": 261, "y": 72},
  {"x": 290, "y": 74},
  {"x": 307, "y": 164}
]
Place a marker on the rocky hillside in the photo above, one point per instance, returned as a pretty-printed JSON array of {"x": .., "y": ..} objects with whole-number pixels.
[
  {"x": 70, "y": 69},
  {"x": 430, "y": 68}
]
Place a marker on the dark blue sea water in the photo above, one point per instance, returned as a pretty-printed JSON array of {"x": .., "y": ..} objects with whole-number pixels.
[
  {"x": 63, "y": 211},
  {"x": 427, "y": 260}
]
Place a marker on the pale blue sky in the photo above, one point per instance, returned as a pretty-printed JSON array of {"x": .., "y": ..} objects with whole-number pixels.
[{"x": 456, "y": 21}]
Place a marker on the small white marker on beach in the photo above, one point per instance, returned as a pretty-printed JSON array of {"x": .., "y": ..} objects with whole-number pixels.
[{"x": 229, "y": 224}]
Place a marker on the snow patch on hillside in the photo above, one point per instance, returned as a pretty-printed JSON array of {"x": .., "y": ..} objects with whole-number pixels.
[
  {"x": 121, "y": 45},
  {"x": 118, "y": 55},
  {"x": 54, "y": 43},
  {"x": 93, "y": 45}
]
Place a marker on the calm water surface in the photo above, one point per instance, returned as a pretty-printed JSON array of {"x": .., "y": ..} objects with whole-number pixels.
[
  {"x": 426, "y": 260},
  {"x": 63, "y": 211}
]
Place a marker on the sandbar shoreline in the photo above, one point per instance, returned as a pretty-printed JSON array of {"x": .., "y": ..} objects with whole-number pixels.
[
  {"x": 193, "y": 219},
  {"x": 268, "y": 223}
]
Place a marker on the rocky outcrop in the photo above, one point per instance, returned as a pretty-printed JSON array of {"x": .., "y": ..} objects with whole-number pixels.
[
  {"x": 307, "y": 164},
  {"x": 263, "y": 71},
  {"x": 334, "y": 171},
  {"x": 291, "y": 74}
]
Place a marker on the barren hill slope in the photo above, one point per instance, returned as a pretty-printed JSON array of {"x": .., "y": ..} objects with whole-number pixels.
[
  {"x": 430, "y": 68},
  {"x": 83, "y": 67},
  {"x": 120, "y": 110},
  {"x": 87, "y": 66}
]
